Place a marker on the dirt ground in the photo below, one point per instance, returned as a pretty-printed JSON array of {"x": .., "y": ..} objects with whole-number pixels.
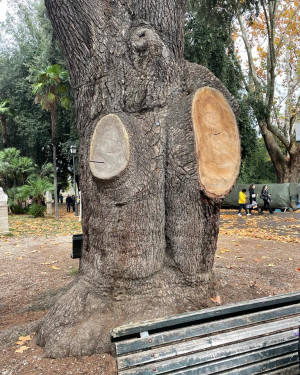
[{"x": 257, "y": 256}]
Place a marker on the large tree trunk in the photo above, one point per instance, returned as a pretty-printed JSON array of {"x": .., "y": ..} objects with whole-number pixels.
[{"x": 158, "y": 152}]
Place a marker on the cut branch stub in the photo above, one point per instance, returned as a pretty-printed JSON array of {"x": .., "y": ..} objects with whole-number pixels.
[
  {"x": 109, "y": 149},
  {"x": 217, "y": 142}
]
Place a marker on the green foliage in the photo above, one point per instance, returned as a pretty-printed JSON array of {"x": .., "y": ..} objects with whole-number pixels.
[
  {"x": 15, "y": 169},
  {"x": 46, "y": 171},
  {"x": 208, "y": 41},
  {"x": 74, "y": 272},
  {"x": 257, "y": 166},
  {"x": 28, "y": 45},
  {"x": 6, "y": 109},
  {"x": 50, "y": 88},
  {"x": 18, "y": 210},
  {"x": 36, "y": 187},
  {"x": 37, "y": 211}
]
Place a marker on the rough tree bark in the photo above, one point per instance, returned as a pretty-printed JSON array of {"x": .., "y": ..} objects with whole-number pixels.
[{"x": 149, "y": 138}]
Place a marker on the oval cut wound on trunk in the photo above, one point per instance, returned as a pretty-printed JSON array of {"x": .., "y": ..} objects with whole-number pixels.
[
  {"x": 109, "y": 149},
  {"x": 217, "y": 142}
]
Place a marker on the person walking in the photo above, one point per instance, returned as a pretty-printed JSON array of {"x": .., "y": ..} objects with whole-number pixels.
[
  {"x": 242, "y": 202},
  {"x": 252, "y": 199},
  {"x": 266, "y": 197},
  {"x": 68, "y": 202}
]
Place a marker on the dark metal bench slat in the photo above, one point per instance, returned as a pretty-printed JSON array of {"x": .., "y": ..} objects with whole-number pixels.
[
  {"x": 132, "y": 345},
  {"x": 254, "y": 369},
  {"x": 207, "y": 342},
  {"x": 210, "y": 313},
  {"x": 215, "y": 355},
  {"x": 290, "y": 370}
]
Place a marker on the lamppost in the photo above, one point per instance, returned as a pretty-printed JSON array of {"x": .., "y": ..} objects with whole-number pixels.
[{"x": 73, "y": 150}]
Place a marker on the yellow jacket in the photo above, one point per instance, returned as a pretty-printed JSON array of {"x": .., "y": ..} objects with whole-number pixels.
[{"x": 242, "y": 198}]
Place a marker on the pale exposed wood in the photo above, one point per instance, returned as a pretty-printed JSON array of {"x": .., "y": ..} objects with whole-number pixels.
[
  {"x": 109, "y": 149},
  {"x": 217, "y": 142}
]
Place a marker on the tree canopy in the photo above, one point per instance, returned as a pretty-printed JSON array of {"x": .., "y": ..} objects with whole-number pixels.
[
  {"x": 28, "y": 45},
  {"x": 271, "y": 78}
]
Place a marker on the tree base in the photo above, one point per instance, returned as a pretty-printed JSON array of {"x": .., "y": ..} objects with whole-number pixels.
[{"x": 80, "y": 322}]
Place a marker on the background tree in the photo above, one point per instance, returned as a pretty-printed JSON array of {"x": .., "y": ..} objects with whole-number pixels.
[
  {"x": 149, "y": 246},
  {"x": 50, "y": 90},
  {"x": 5, "y": 111},
  {"x": 14, "y": 172},
  {"x": 27, "y": 44},
  {"x": 271, "y": 78},
  {"x": 209, "y": 28},
  {"x": 36, "y": 188}
]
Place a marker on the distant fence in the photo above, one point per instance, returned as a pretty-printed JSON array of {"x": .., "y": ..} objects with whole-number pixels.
[{"x": 284, "y": 196}]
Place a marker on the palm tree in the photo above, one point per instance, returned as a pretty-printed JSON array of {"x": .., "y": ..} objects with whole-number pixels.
[
  {"x": 36, "y": 187},
  {"x": 50, "y": 90},
  {"x": 4, "y": 168},
  {"x": 9, "y": 160},
  {"x": 25, "y": 167},
  {"x": 5, "y": 110}
]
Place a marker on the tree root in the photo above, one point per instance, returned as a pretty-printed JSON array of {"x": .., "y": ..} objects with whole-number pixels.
[{"x": 80, "y": 322}]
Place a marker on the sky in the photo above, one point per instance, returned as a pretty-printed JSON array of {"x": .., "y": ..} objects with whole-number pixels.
[{"x": 3, "y": 4}]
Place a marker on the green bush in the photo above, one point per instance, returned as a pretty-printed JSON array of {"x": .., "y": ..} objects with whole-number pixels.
[
  {"x": 18, "y": 210},
  {"x": 37, "y": 211}
]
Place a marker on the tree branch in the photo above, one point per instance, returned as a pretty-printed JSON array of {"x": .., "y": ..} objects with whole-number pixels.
[{"x": 249, "y": 53}]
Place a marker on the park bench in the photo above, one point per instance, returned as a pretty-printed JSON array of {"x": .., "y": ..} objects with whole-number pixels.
[{"x": 260, "y": 336}]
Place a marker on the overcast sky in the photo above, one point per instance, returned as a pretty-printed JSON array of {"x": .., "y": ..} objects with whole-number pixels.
[{"x": 2, "y": 9}]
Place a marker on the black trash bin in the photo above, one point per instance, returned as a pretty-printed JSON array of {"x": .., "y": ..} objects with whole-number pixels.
[{"x": 77, "y": 246}]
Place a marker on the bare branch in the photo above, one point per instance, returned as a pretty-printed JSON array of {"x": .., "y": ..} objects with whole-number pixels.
[{"x": 249, "y": 53}]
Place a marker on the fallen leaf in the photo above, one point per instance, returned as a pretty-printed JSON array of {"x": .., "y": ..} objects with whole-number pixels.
[
  {"x": 257, "y": 260},
  {"x": 224, "y": 251},
  {"x": 25, "y": 338},
  {"x": 55, "y": 268},
  {"x": 217, "y": 300},
  {"x": 271, "y": 265},
  {"x": 22, "y": 349}
]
